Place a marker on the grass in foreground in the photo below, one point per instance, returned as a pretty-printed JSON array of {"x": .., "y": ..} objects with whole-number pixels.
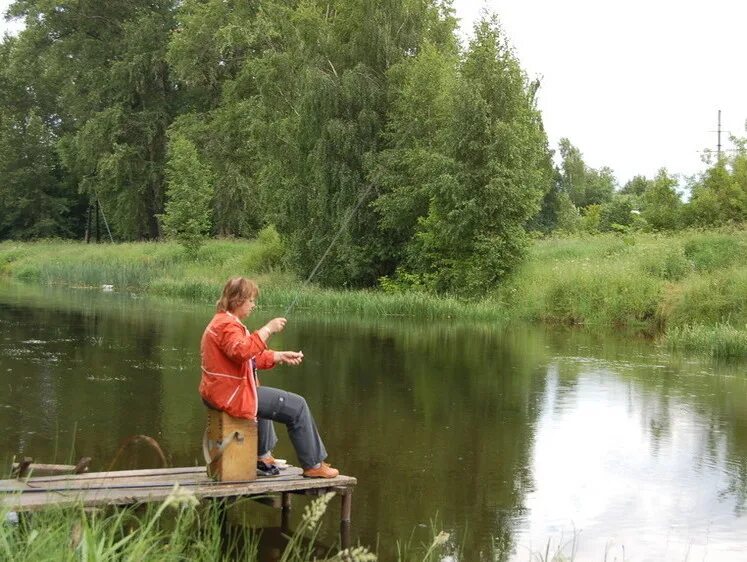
[{"x": 180, "y": 528}]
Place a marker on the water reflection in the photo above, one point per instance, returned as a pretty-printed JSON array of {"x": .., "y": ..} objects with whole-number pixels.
[{"x": 506, "y": 438}]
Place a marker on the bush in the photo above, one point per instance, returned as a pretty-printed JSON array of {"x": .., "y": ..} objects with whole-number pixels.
[
  {"x": 713, "y": 251},
  {"x": 267, "y": 253}
]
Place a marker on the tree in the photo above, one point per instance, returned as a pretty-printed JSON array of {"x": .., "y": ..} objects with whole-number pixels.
[
  {"x": 189, "y": 195},
  {"x": 105, "y": 63},
  {"x": 35, "y": 199},
  {"x": 573, "y": 173},
  {"x": 660, "y": 203},
  {"x": 473, "y": 234},
  {"x": 585, "y": 185},
  {"x": 568, "y": 217},
  {"x": 617, "y": 214},
  {"x": 415, "y": 163},
  {"x": 636, "y": 186},
  {"x": 719, "y": 196},
  {"x": 600, "y": 186}
]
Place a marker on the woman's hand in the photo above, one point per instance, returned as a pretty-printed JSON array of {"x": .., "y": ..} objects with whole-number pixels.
[
  {"x": 272, "y": 327},
  {"x": 288, "y": 357}
]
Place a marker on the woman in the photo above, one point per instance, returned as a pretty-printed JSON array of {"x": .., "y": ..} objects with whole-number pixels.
[{"x": 231, "y": 355}]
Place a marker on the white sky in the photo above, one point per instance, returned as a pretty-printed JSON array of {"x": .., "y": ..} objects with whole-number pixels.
[{"x": 636, "y": 85}]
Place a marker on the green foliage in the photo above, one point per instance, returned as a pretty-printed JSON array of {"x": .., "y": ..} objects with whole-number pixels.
[
  {"x": 189, "y": 194},
  {"x": 568, "y": 217},
  {"x": 591, "y": 219},
  {"x": 661, "y": 204},
  {"x": 35, "y": 199},
  {"x": 494, "y": 169},
  {"x": 617, "y": 214},
  {"x": 584, "y": 185},
  {"x": 636, "y": 186},
  {"x": 300, "y": 113},
  {"x": 652, "y": 281},
  {"x": 670, "y": 264},
  {"x": 268, "y": 255},
  {"x": 719, "y": 196},
  {"x": 102, "y": 85},
  {"x": 710, "y": 298}
]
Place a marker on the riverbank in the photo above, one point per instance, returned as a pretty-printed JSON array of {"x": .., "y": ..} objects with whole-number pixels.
[{"x": 688, "y": 289}]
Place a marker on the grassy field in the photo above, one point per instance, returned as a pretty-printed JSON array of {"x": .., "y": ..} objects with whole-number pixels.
[{"x": 689, "y": 289}]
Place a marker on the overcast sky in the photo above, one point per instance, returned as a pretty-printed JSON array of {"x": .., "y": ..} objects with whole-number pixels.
[{"x": 636, "y": 85}]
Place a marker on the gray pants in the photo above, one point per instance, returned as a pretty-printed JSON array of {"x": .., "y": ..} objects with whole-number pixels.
[{"x": 291, "y": 410}]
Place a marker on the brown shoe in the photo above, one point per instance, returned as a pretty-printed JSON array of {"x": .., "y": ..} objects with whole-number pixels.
[{"x": 322, "y": 471}]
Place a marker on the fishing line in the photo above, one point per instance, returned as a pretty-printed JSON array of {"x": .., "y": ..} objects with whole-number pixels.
[{"x": 319, "y": 263}]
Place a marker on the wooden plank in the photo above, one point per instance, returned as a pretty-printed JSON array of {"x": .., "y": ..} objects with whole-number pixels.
[
  {"x": 41, "y": 467},
  {"x": 141, "y": 473},
  {"x": 104, "y": 480},
  {"x": 27, "y": 468},
  {"x": 128, "y": 487},
  {"x": 154, "y": 477},
  {"x": 294, "y": 483},
  {"x": 103, "y": 497}
]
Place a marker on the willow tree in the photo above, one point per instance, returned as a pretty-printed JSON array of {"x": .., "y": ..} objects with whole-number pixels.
[
  {"x": 35, "y": 199},
  {"x": 105, "y": 62},
  {"x": 331, "y": 120},
  {"x": 290, "y": 100}
]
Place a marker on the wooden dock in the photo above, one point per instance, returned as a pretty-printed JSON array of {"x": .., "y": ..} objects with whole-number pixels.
[{"x": 128, "y": 487}]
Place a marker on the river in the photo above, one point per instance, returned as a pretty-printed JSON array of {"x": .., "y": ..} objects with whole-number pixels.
[{"x": 512, "y": 440}]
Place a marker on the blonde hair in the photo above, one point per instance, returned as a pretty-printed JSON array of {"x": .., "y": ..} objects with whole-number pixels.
[{"x": 235, "y": 293}]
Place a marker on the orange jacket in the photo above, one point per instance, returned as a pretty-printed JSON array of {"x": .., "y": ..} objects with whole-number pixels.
[{"x": 229, "y": 352}]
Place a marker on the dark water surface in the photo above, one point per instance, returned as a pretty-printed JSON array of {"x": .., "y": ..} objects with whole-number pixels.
[{"x": 504, "y": 438}]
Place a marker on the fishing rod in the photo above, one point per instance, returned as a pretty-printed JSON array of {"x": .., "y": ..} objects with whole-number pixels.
[{"x": 334, "y": 239}]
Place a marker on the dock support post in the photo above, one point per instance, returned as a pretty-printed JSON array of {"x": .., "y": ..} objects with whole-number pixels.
[
  {"x": 346, "y": 508},
  {"x": 285, "y": 509}
]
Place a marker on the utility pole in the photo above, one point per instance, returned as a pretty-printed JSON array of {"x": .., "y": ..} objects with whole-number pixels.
[{"x": 718, "y": 146}]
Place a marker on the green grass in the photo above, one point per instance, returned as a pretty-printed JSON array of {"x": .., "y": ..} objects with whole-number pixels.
[
  {"x": 163, "y": 533},
  {"x": 720, "y": 341},
  {"x": 164, "y": 269},
  {"x": 660, "y": 284},
  {"x": 654, "y": 283},
  {"x": 178, "y": 529}
]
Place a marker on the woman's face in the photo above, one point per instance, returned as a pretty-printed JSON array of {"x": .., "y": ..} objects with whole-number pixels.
[{"x": 246, "y": 308}]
